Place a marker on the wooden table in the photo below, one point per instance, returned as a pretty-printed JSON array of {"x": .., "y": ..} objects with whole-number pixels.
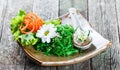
[{"x": 104, "y": 15}]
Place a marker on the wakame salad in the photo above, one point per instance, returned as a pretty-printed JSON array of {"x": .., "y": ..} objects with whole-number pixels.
[{"x": 49, "y": 37}]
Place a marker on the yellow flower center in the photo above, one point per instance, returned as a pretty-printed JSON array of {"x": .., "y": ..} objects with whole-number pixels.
[{"x": 46, "y": 33}]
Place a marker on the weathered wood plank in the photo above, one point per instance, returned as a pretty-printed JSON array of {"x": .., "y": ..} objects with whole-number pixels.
[
  {"x": 78, "y": 4},
  {"x": 117, "y": 2},
  {"x": 117, "y": 8},
  {"x": 47, "y": 9},
  {"x": 102, "y": 15},
  {"x": 82, "y": 6},
  {"x": 11, "y": 67},
  {"x": 11, "y": 55},
  {"x": 3, "y": 5}
]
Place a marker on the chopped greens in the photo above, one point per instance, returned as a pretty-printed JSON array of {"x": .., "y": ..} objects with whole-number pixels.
[{"x": 61, "y": 45}]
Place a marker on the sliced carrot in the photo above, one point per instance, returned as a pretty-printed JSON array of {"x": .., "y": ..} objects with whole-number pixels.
[
  {"x": 23, "y": 30},
  {"x": 31, "y": 22}
]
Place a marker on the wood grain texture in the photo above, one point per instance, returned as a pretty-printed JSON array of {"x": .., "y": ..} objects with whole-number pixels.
[
  {"x": 3, "y": 5},
  {"x": 117, "y": 9},
  {"x": 11, "y": 55},
  {"x": 64, "y": 6},
  {"x": 47, "y": 9},
  {"x": 82, "y": 6},
  {"x": 102, "y": 15}
]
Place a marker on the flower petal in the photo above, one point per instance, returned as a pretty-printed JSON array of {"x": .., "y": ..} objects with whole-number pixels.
[
  {"x": 48, "y": 40},
  {"x": 41, "y": 32}
]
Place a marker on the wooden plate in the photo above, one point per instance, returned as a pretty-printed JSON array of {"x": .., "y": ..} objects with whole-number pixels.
[{"x": 99, "y": 45}]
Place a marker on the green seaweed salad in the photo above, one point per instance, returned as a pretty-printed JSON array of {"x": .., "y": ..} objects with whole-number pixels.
[{"x": 51, "y": 38}]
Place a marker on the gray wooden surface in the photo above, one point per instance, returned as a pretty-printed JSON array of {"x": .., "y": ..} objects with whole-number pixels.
[{"x": 104, "y": 15}]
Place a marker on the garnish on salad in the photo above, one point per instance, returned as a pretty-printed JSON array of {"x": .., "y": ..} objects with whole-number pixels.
[
  {"x": 82, "y": 39},
  {"x": 49, "y": 37},
  {"x": 31, "y": 23},
  {"x": 46, "y": 32}
]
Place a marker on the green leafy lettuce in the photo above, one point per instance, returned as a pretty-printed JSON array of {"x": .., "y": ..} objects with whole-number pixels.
[
  {"x": 15, "y": 24},
  {"x": 53, "y": 21},
  {"x": 28, "y": 39}
]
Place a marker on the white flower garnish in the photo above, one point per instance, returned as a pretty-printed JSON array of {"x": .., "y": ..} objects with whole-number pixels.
[{"x": 46, "y": 32}]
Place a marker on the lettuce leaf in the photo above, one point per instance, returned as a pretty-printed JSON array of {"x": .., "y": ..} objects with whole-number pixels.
[
  {"x": 28, "y": 39},
  {"x": 15, "y": 24},
  {"x": 53, "y": 21}
]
